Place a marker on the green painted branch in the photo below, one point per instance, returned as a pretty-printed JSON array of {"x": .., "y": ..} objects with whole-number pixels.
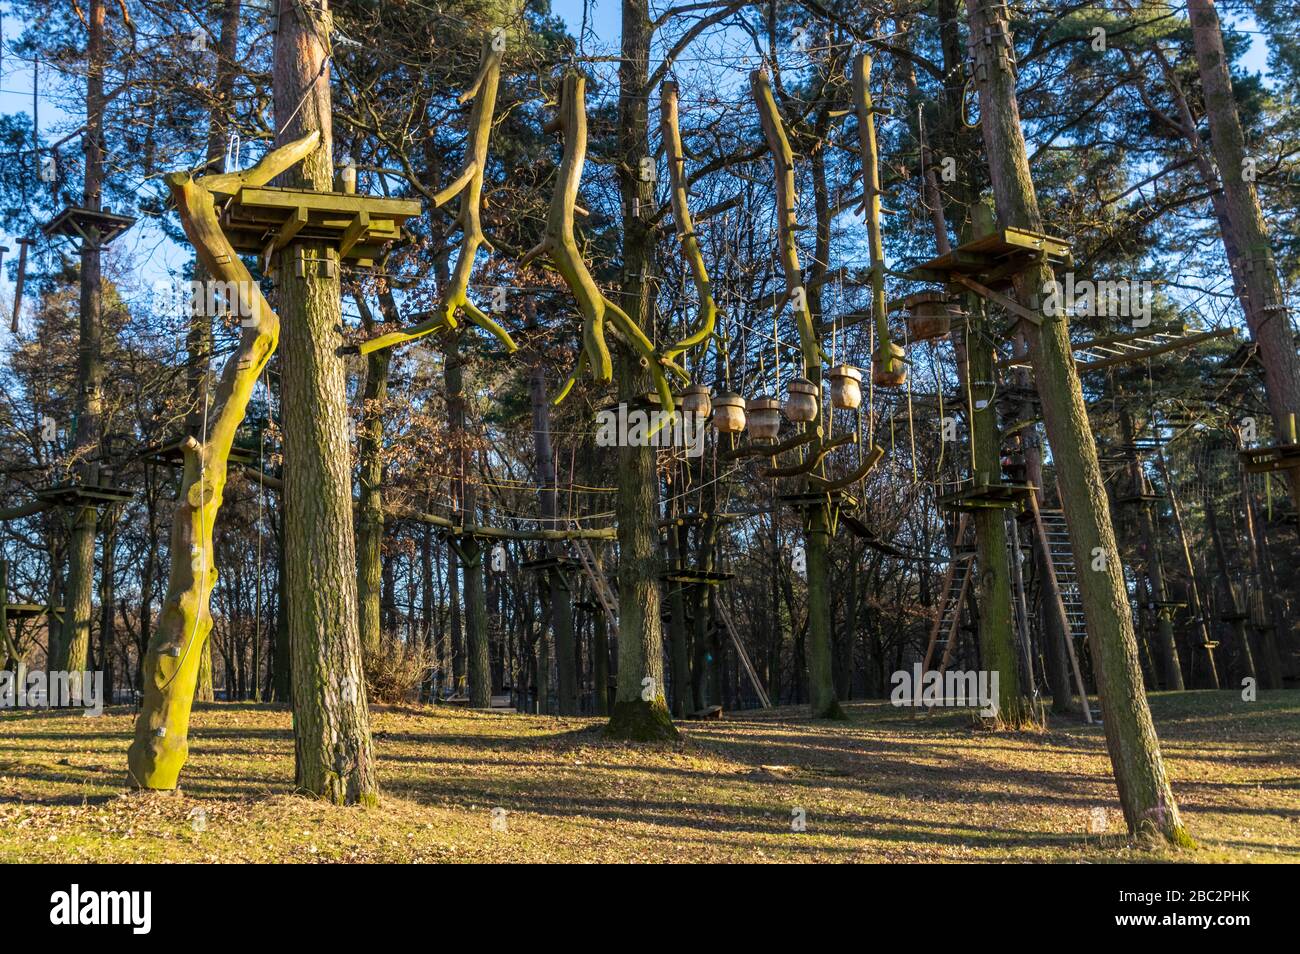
[
  {"x": 691, "y": 251},
  {"x": 809, "y": 463},
  {"x": 868, "y": 464},
  {"x": 171, "y": 665},
  {"x": 778, "y": 144},
  {"x": 570, "y": 380},
  {"x": 561, "y": 247},
  {"x": 772, "y": 450},
  {"x": 469, "y": 186},
  {"x": 24, "y": 510},
  {"x": 887, "y": 353}
]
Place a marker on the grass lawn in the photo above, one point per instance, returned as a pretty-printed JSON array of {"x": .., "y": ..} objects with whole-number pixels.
[{"x": 881, "y": 787}]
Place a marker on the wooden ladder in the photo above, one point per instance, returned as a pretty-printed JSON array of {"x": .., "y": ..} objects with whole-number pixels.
[
  {"x": 956, "y": 579},
  {"x": 599, "y": 583}
]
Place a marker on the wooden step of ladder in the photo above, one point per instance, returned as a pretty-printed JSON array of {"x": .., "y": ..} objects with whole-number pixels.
[{"x": 599, "y": 583}]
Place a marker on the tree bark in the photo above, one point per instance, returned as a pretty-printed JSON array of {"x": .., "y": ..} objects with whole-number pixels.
[
  {"x": 640, "y": 711},
  {"x": 78, "y": 598},
  {"x": 331, "y": 721},
  {"x": 370, "y": 506}
]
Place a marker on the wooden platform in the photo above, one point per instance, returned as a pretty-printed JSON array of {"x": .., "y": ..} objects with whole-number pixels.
[
  {"x": 31, "y": 610},
  {"x": 1270, "y": 459},
  {"x": 171, "y": 455},
  {"x": 838, "y": 498},
  {"x": 83, "y": 495},
  {"x": 698, "y": 577},
  {"x": 995, "y": 259},
  {"x": 999, "y": 496},
  {"x": 359, "y": 227},
  {"x": 551, "y": 563},
  {"x": 78, "y": 223}
]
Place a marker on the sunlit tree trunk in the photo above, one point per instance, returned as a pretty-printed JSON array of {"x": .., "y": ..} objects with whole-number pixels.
[
  {"x": 370, "y": 506},
  {"x": 331, "y": 721},
  {"x": 640, "y": 711},
  {"x": 74, "y": 646},
  {"x": 1144, "y": 791}
]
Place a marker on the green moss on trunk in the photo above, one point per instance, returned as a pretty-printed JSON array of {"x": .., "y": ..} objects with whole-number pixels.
[{"x": 640, "y": 721}]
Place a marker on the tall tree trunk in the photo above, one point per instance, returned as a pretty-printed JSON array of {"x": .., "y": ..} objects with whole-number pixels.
[
  {"x": 107, "y": 569},
  {"x": 1144, "y": 791},
  {"x": 370, "y": 508},
  {"x": 77, "y": 606},
  {"x": 640, "y": 712},
  {"x": 1166, "y": 645},
  {"x": 456, "y": 621},
  {"x": 548, "y": 498},
  {"x": 679, "y": 647},
  {"x": 331, "y": 721},
  {"x": 477, "y": 670},
  {"x": 1236, "y": 612},
  {"x": 997, "y": 635},
  {"x": 1265, "y": 307}
]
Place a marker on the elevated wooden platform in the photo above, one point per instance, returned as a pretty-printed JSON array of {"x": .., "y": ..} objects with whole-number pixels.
[
  {"x": 994, "y": 260},
  {"x": 1270, "y": 459},
  {"x": 31, "y": 610},
  {"x": 266, "y": 219},
  {"x": 696, "y": 577},
  {"x": 83, "y": 495},
  {"x": 171, "y": 455},
  {"x": 999, "y": 496},
  {"x": 551, "y": 563},
  {"x": 837, "y": 498},
  {"x": 76, "y": 222}
]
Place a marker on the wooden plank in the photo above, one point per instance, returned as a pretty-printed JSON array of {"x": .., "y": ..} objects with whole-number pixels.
[
  {"x": 291, "y": 227},
  {"x": 337, "y": 202},
  {"x": 997, "y": 298},
  {"x": 352, "y": 234}
]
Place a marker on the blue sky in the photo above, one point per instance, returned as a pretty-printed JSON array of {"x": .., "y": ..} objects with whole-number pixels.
[{"x": 143, "y": 242}]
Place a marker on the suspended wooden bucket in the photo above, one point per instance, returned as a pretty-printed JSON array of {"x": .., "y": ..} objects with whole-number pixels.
[
  {"x": 801, "y": 402},
  {"x": 764, "y": 417},
  {"x": 888, "y": 370},
  {"x": 846, "y": 387},
  {"x": 695, "y": 401},
  {"x": 728, "y": 413},
  {"x": 930, "y": 315}
]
